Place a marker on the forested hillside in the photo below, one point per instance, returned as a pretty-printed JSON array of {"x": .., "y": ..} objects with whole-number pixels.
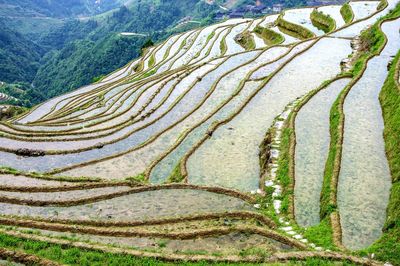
[
  {"x": 59, "y": 8},
  {"x": 102, "y": 48},
  {"x": 19, "y": 57}
]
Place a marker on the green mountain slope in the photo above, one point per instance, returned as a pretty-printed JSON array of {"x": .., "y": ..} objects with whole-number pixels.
[
  {"x": 19, "y": 57},
  {"x": 82, "y": 60},
  {"x": 103, "y": 49},
  {"x": 59, "y": 8}
]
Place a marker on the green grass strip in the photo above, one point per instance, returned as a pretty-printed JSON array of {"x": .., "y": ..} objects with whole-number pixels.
[
  {"x": 222, "y": 46},
  {"x": 382, "y": 5},
  {"x": 69, "y": 255},
  {"x": 76, "y": 256},
  {"x": 152, "y": 60},
  {"x": 293, "y": 29},
  {"x": 246, "y": 40},
  {"x": 176, "y": 175},
  {"x": 322, "y": 21},
  {"x": 347, "y": 13},
  {"x": 269, "y": 36}
]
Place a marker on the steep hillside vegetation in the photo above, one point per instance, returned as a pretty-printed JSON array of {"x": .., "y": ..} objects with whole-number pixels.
[
  {"x": 95, "y": 47},
  {"x": 19, "y": 57},
  {"x": 59, "y": 8}
]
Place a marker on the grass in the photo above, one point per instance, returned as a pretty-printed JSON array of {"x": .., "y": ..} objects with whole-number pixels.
[
  {"x": 293, "y": 29},
  {"x": 77, "y": 256},
  {"x": 382, "y": 5},
  {"x": 152, "y": 60},
  {"x": 269, "y": 36},
  {"x": 255, "y": 251},
  {"x": 12, "y": 112},
  {"x": 390, "y": 101},
  {"x": 139, "y": 66},
  {"x": 322, "y": 21},
  {"x": 145, "y": 75},
  {"x": 209, "y": 37},
  {"x": 347, "y": 13},
  {"x": 12, "y": 171},
  {"x": 183, "y": 44},
  {"x": 176, "y": 175},
  {"x": 222, "y": 46},
  {"x": 283, "y": 170},
  {"x": 65, "y": 254},
  {"x": 140, "y": 178},
  {"x": 321, "y": 234},
  {"x": 326, "y": 206},
  {"x": 246, "y": 40}
]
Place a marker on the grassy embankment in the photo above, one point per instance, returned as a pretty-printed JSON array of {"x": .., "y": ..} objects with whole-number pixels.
[
  {"x": 293, "y": 29},
  {"x": 347, "y": 13},
  {"x": 269, "y": 37},
  {"x": 222, "y": 46},
  {"x": 323, "y": 22},
  {"x": 69, "y": 255},
  {"x": 246, "y": 40}
]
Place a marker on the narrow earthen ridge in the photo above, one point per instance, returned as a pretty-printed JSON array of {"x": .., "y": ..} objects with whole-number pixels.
[
  {"x": 157, "y": 221},
  {"x": 292, "y": 29},
  {"x": 277, "y": 257},
  {"x": 148, "y": 82},
  {"x": 145, "y": 81},
  {"x": 280, "y": 257},
  {"x": 144, "y": 188},
  {"x": 291, "y": 162},
  {"x": 25, "y": 258},
  {"x": 140, "y": 232},
  {"x": 336, "y": 230},
  {"x": 72, "y": 187},
  {"x": 397, "y": 74},
  {"x": 16, "y": 173},
  {"x": 292, "y": 144},
  {"x": 63, "y": 132}
]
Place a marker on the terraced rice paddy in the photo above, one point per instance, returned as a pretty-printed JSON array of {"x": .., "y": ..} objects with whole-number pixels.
[
  {"x": 211, "y": 147},
  {"x": 312, "y": 146},
  {"x": 364, "y": 165}
]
